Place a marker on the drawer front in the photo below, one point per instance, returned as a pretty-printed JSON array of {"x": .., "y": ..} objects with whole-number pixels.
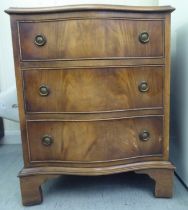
[
  {"x": 93, "y": 90},
  {"x": 90, "y": 39},
  {"x": 95, "y": 140}
]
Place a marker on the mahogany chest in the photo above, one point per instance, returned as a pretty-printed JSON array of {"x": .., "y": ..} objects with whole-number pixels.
[{"x": 93, "y": 85}]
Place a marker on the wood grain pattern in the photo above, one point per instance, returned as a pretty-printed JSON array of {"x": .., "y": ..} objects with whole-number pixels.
[
  {"x": 31, "y": 188},
  {"x": 93, "y": 90},
  {"x": 31, "y": 179},
  {"x": 93, "y": 63},
  {"x": 96, "y": 171},
  {"x": 95, "y": 141},
  {"x": 163, "y": 181},
  {"x": 88, "y": 7},
  {"x": 131, "y": 113},
  {"x": 19, "y": 85},
  {"x": 62, "y": 64},
  {"x": 122, "y": 41},
  {"x": 167, "y": 89}
]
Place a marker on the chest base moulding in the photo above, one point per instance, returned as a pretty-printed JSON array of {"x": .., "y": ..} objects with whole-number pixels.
[{"x": 93, "y": 86}]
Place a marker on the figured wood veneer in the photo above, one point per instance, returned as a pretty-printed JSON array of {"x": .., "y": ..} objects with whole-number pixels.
[
  {"x": 95, "y": 140},
  {"x": 65, "y": 39},
  {"x": 93, "y": 120},
  {"x": 93, "y": 90}
]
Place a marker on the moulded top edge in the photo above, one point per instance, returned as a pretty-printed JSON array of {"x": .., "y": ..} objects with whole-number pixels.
[{"x": 88, "y": 7}]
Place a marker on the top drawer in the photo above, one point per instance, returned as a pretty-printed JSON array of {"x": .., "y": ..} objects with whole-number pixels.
[{"x": 102, "y": 38}]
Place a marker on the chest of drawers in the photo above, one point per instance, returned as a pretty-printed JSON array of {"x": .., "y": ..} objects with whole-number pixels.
[{"x": 93, "y": 87}]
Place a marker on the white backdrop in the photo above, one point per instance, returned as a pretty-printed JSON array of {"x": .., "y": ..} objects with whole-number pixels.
[
  {"x": 179, "y": 87},
  {"x": 7, "y": 77}
]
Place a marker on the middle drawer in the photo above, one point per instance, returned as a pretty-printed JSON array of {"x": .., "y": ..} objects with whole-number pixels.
[{"x": 93, "y": 90}]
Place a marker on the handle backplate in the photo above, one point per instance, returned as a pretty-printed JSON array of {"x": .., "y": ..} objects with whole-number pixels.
[
  {"x": 40, "y": 40},
  {"x": 143, "y": 86},
  {"x": 44, "y": 90},
  {"x": 144, "y": 135},
  {"x": 47, "y": 140},
  {"x": 144, "y": 37}
]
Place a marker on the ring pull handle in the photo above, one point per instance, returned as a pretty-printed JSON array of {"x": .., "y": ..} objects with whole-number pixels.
[
  {"x": 44, "y": 90},
  {"x": 40, "y": 40},
  {"x": 47, "y": 140},
  {"x": 143, "y": 86},
  {"x": 144, "y": 135},
  {"x": 144, "y": 37}
]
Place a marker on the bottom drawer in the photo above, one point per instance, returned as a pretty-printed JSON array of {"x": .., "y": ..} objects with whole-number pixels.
[{"x": 101, "y": 140}]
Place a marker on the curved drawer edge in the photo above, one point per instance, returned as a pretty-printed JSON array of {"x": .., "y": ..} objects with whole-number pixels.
[
  {"x": 96, "y": 171},
  {"x": 88, "y": 7}
]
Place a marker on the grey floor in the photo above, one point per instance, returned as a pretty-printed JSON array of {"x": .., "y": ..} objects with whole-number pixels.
[{"x": 117, "y": 192}]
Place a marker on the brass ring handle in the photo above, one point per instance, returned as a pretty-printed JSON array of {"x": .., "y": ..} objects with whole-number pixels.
[
  {"x": 144, "y": 135},
  {"x": 143, "y": 86},
  {"x": 40, "y": 40},
  {"x": 44, "y": 90},
  {"x": 47, "y": 140},
  {"x": 144, "y": 37}
]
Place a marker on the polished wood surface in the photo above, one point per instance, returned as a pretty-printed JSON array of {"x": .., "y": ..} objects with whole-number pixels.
[
  {"x": 93, "y": 90},
  {"x": 93, "y": 120},
  {"x": 108, "y": 115},
  {"x": 31, "y": 188},
  {"x": 95, "y": 141},
  {"x": 163, "y": 181},
  {"x": 73, "y": 44},
  {"x": 88, "y": 7},
  {"x": 96, "y": 171},
  {"x": 31, "y": 179}
]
